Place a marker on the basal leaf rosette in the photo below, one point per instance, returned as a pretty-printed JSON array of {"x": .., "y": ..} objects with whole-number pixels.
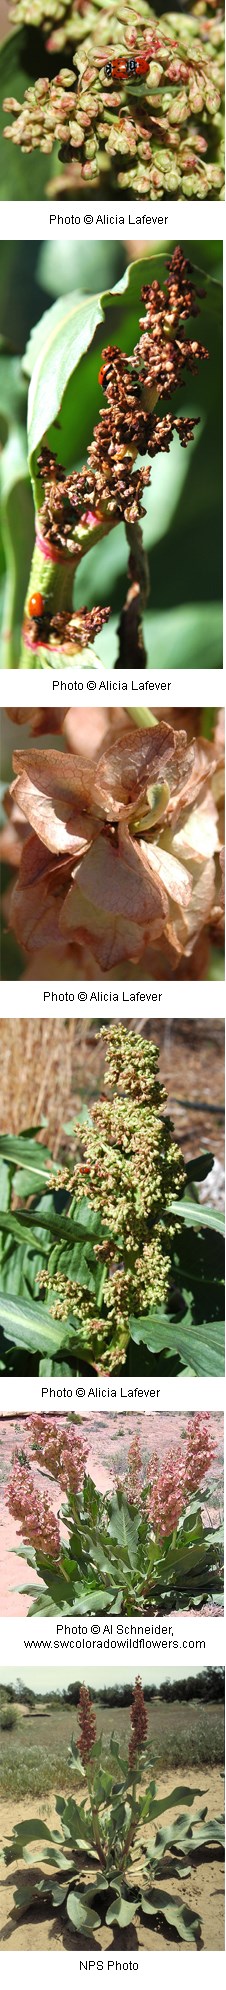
[
  {"x": 162, "y": 133},
  {"x": 100, "y": 1866}
]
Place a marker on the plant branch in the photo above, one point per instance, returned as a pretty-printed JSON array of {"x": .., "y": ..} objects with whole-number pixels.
[{"x": 132, "y": 651}]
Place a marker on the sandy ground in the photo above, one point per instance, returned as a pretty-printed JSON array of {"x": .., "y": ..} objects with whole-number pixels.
[
  {"x": 108, "y": 1439},
  {"x": 203, "y": 1890}
]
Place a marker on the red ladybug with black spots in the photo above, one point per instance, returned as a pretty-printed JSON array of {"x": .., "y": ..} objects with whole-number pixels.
[{"x": 127, "y": 67}]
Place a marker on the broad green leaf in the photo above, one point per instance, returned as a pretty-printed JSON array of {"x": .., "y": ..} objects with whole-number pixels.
[
  {"x": 182, "y": 1918},
  {"x": 211, "y": 1833},
  {"x": 20, "y": 1229},
  {"x": 95, "y": 1599},
  {"x": 201, "y": 1348},
  {"x": 23, "y": 1834},
  {"x": 53, "y": 353},
  {"x": 5, "y": 1190},
  {"x": 122, "y": 1911},
  {"x": 25, "y": 1895},
  {"x": 61, "y": 1227},
  {"x": 179, "y": 1795},
  {"x": 32, "y": 1327},
  {"x": 199, "y": 1215},
  {"x": 27, "y": 1154},
  {"x": 13, "y": 391},
  {"x": 74, "y": 1821},
  {"x": 197, "y": 1170},
  {"x": 17, "y": 525},
  {"x": 124, "y": 1525},
  {"x": 84, "y": 1918},
  {"x": 190, "y": 635},
  {"x": 59, "y": 1894}
]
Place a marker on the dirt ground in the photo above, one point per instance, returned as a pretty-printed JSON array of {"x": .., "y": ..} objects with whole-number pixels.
[{"x": 203, "y": 1890}]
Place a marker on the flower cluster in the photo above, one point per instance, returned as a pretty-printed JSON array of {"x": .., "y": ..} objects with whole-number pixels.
[
  {"x": 139, "y": 1726},
  {"x": 132, "y": 1482},
  {"x": 129, "y": 1170},
  {"x": 200, "y": 1450},
  {"x": 61, "y": 1448},
  {"x": 161, "y": 137},
  {"x": 180, "y": 1475},
  {"x": 170, "y": 1486},
  {"x": 38, "y": 1525},
  {"x": 78, "y": 510},
  {"x": 87, "y": 1725}
]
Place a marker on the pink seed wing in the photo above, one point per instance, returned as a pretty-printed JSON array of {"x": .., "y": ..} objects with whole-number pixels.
[{"x": 133, "y": 763}]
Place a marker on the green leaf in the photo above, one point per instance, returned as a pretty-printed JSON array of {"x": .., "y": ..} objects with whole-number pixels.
[
  {"x": 17, "y": 525},
  {"x": 19, "y": 1228},
  {"x": 187, "y": 1923},
  {"x": 75, "y": 1822},
  {"x": 93, "y": 1599},
  {"x": 26, "y": 1154},
  {"x": 59, "y": 1893},
  {"x": 5, "y": 1188},
  {"x": 31, "y": 1326},
  {"x": 123, "y": 1525},
  {"x": 122, "y": 1911},
  {"x": 53, "y": 354},
  {"x": 179, "y": 1795},
  {"x": 199, "y": 1215},
  {"x": 84, "y": 1918},
  {"x": 61, "y": 1227},
  {"x": 197, "y": 1170},
  {"x": 24, "y": 1834},
  {"x": 190, "y": 634},
  {"x": 200, "y": 1348},
  {"x": 21, "y": 178}
]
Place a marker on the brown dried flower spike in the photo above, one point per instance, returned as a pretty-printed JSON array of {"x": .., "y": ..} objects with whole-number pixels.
[
  {"x": 87, "y": 1724},
  {"x": 139, "y": 1725}
]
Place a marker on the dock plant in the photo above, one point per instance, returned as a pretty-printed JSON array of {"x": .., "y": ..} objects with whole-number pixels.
[
  {"x": 105, "y": 1863},
  {"x": 150, "y": 1544},
  {"x": 114, "y": 1266}
]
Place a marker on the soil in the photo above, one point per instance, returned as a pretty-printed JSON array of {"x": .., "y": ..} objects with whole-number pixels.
[{"x": 203, "y": 1890}]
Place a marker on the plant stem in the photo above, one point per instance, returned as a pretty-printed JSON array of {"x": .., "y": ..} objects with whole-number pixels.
[
  {"x": 132, "y": 653},
  {"x": 141, "y": 716},
  {"x": 95, "y": 1822}
]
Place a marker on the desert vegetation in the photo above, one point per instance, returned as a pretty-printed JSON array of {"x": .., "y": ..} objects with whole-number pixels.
[
  {"x": 100, "y": 1865},
  {"x": 153, "y": 1542}
]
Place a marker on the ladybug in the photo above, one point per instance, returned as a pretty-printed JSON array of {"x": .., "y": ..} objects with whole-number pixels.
[
  {"x": 127, "y": 66},
  {"x": 36, "y": 607},
  {"x": 101, "y": 376},
  {"x": 105, "y": 373}
]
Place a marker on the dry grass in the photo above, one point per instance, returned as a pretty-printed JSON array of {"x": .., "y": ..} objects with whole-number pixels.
[
  {"x": 181, "y": 1736},
  {"x": 48, "y": 1069}
]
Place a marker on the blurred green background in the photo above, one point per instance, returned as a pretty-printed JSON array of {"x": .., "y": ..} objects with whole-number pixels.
[{"x": 183, "y": 523}]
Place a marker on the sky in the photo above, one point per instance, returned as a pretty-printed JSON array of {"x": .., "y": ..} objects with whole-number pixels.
[{"x": 47, "y": 1678}]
